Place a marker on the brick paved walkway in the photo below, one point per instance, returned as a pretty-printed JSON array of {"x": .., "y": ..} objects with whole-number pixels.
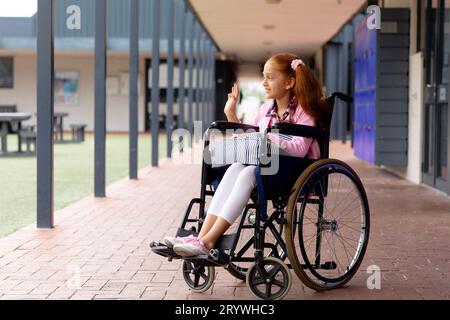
[{"x": 99, "y": 248}]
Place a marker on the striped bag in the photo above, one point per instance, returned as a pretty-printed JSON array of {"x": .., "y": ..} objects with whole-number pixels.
[{"x": 243, "y": 148}]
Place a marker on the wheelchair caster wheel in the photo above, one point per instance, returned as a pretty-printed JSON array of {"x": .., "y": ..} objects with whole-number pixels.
[
  {"x": 273, "y": 282},
  {"x": 198, "y": 278}
]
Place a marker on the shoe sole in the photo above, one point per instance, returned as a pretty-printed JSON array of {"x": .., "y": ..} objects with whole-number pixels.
[
  {"x": 186, "y": 253},
  {"x": 183, "y": 253}
]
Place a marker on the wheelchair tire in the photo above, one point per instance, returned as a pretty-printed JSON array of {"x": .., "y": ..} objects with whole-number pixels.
[
  {"x": 198, "y": 278},
  {"x": 277, "y": 275},
  {"x": 315, "y": 225}
]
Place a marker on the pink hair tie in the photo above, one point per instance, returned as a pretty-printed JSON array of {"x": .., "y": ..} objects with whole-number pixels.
[{"x": 295, "y": 63}]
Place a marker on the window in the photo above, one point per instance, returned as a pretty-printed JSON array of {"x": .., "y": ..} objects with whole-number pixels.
[{"x": 6, "y": 72}]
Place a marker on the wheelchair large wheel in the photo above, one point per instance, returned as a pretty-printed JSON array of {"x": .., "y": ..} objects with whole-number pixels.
[
  {"x": 198, "y": 278},
  {"x": 245, "y": 249},
  {"x": 327, "y": 225}
]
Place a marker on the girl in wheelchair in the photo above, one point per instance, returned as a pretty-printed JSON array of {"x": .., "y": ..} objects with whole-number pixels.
[
  {"x": 296, "y": 97},
  {"x": 320, "y": 205}
]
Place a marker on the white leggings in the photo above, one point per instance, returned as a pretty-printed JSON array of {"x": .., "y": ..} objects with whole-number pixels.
[{"x": 233, "y": 192}]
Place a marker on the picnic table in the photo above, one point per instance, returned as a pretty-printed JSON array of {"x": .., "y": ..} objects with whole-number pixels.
[
  {"x": 14, "y": 120},
  {"x": 58, "y": 118}
]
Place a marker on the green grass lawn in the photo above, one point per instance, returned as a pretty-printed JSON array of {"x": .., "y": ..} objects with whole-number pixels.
[{"x": 73, "y": 175}]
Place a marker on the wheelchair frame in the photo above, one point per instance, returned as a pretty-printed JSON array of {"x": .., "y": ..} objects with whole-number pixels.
[{"x": 202, "y": 267}]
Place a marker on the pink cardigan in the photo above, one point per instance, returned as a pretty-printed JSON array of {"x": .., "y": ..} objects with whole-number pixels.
[{"x": 298, "y": 146}]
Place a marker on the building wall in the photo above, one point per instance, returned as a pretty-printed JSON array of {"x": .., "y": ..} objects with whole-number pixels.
[
  {"x": 24, "y": 92},
  {"x": 117, "y": 113},
  {"x": 392, "y": 88}
]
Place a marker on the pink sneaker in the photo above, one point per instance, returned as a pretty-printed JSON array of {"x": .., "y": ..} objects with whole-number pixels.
[
  {"x": 172, "y": 241},
  {"x": 191, "y": 249}
]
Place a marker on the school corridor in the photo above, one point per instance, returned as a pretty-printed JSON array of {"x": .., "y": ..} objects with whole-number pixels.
[
  {"x": 99, "y": 248},
  {"x": 142, "y": 67}
]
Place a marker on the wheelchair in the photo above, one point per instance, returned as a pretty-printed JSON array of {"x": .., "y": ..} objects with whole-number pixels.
[{"x": 322, "y": 210}]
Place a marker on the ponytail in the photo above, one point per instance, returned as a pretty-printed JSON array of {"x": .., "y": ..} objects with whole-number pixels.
[{"x": 308, "y": 93}]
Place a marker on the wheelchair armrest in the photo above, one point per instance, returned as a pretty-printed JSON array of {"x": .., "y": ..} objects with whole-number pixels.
[
  {"x": 224, "y": 125},
  {"x": 300, "y": 130}
]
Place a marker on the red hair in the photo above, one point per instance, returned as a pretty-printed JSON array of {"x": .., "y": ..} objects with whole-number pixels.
[{"x": 307, "y": 89}]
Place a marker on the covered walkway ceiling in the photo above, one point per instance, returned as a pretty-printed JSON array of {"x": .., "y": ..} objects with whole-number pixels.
[{"x": 253, "y": 29}]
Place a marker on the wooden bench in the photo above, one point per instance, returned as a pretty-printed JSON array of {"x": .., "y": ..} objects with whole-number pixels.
[{"x": 78, "y": 132}]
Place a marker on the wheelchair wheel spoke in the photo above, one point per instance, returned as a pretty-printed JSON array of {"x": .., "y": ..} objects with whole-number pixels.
[
  {"x": 259, "y": 281},
  {"x": 268, "y": 290},
  {"x": 354, "y": 221},
  {"x": 347, "y": 244},
  {"x": 196, "y": 279},
  {"x": 204, "y": 277},
  {"x": 310, "y": 240},
  {"x": 333, "y": 249},
  {"x": 343, "y": 198},
  {"x": 336, "y": 258},
  {"x": 344, "y": 266},
  {"x": 274, "y": 272},
  {"x": 343, "y": 238},
  {"x": 345, "y": 211},
  {"x": 314, "y": 213},
  {"x": 323, "y": 202},
  {"x": 349, "y": 259},
  {"x": 351, "y": 228},
  {"x": 278, "y": 283},
  {"x": 339, "y": 184}
]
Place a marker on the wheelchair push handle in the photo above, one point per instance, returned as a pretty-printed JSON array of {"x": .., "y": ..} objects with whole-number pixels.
[{"x": 340, "y": 96}]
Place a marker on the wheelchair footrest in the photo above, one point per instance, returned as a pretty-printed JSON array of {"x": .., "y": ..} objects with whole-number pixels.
[
  {"x": 163, "y": 250},
  {"x": 205, "y": 260},
  {"x": 216, "y": 257}
]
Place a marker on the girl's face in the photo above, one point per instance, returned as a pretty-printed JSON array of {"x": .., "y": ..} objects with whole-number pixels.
[{"x": 276, "y": 84}]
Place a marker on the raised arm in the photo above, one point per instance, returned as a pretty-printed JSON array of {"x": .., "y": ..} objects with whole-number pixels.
[{"x": 230, "y": 106}]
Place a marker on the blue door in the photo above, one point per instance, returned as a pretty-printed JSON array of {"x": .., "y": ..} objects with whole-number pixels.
[{"x": 365, "y": 92}]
